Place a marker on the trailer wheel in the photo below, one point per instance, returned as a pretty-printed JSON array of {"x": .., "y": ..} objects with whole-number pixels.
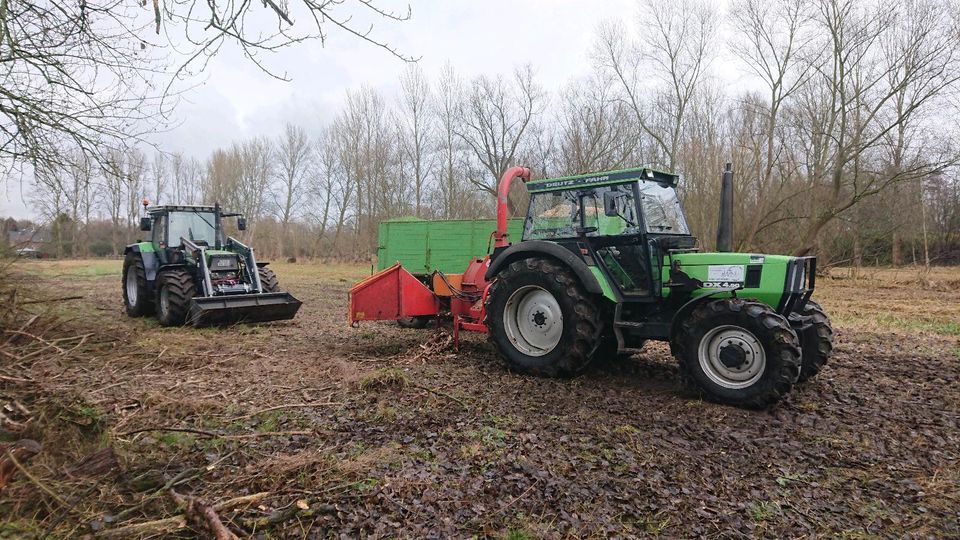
[
  {"x": 417, "y": 321},
  {"x": 816, "y": 341},
  {"x": 175, "y": 290},
  {"x": 738, "y": 352},
  {"x": 136, "y": 297},
  {"x": 541, "y": 320},
  {"x": 268, "y": 280}
]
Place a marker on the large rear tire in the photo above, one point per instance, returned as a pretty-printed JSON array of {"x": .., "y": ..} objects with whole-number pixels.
[
  {"x": 268, "y": 280},
  {"x": 738, "y": 352},
  {"x": 175, "y": 290},
  {"x": 541, "y": 320},
  {"x": 136, "y": 296},
  {"x": 816, "y": 341}
]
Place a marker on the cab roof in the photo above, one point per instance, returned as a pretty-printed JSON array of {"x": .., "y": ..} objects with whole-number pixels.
[
  {"x": 180, "y": 208},
  {"x": 602, "y": 179}
]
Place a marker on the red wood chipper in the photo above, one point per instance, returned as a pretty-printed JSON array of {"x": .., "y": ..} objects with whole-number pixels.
[{"x": 396, "y": 294}]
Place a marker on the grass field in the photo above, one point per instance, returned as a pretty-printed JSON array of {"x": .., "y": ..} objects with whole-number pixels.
[{"x": 379, "y": 431}]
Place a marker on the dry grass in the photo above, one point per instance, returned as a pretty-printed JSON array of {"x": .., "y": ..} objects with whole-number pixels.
[{"x": 197, "y": 407}]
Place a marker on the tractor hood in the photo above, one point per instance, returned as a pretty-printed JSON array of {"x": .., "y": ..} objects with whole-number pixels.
[{"x": 775, "y": 280}]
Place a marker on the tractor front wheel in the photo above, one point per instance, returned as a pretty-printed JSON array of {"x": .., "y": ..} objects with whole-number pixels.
[
  {"x": 541, "y": 320},
  {"x": 738, "y": 352},
  {"x": 175, "y": 290},
  {"x": 816, "y": 341},
  {"x": 136, "y": 297},
  {"x": 268, "y": 280}
]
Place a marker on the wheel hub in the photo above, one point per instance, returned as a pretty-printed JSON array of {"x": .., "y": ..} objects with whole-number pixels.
[
  {"x": 131, "y": 285},
  {"x": 533, "y": 320},
  {"x": 732, "y": 357}
]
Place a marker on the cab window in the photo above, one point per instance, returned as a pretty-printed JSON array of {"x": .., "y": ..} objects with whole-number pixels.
[
  {"x": 160, "y": 232},
  {"x": 621, "y": 222},
  {"x": 552, "y": 215}
]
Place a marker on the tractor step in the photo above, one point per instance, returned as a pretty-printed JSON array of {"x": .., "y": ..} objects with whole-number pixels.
[{"x": 231, "y": 309}]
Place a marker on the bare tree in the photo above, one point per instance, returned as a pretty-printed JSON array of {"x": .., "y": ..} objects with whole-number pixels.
[
  {"x": 660, "y": 73},
  {"x": 294, "y": 157},
  {"x": 494, "y": 119},
  {"x": 416, "y": 130},
  {"x": 860, "y": 89},
  {"x": 158, "y": 177}
]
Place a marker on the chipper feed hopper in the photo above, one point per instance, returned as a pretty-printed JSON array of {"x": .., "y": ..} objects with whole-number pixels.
[
  {"x": 191, "y": 272},
  {"x": 605, "y": 262}
]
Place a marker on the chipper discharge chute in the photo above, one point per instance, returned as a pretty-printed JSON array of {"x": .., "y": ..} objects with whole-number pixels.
[
  {"x": 190, "y": 272},
  {"x": 605, "y": 263}
]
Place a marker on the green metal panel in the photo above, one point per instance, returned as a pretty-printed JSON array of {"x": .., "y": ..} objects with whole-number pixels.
[
  {"x": 146, "y": 247},
  {"x": 772, "y": 278},
  {"x": 604, "y": 284},
  {"x": 423, "y": 246}
]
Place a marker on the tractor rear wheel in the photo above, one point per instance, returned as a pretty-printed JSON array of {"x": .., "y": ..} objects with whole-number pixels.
[
  {"x": 816, "y": 341},
  {"x": 175, "y": 290},
  {"x": 136, "y": 297},
  {"x": 541, "y": 320},
  {"x": 268, "y": 280},
  {"x": 738, "y": 352}
]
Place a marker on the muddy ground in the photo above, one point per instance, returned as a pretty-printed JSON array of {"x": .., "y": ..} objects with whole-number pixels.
[{"x": 330, "y": 431}]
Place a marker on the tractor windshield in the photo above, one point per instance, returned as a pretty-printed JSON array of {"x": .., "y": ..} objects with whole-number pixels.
[
  {"x": 661, "y": 209},
  {"x": 197, "y": 227}
]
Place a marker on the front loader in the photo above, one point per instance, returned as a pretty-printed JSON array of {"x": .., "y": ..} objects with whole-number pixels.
[
  {"x": 606, "y": 262},
  {"x": 191, "y": 272}
]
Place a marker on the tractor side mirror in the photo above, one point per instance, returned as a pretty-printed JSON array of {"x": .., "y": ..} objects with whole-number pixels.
[
  {"x": 242, "y": 223},
  {"x": 145, "y": 224},
  {"x": 610, "y": 203}
]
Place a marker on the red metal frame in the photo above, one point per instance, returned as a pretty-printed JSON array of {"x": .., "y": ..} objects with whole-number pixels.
[
  {"x": 394, "y": 293},
  {"x": 500, "y": 239},
  {"x": 391, "y": 294}
]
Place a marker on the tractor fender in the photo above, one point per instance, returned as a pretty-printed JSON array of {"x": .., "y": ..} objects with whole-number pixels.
[
  {"x": 151, "y": 264},
  {"x": 692, "y": 304},
  {"x": 531, "y": 248}
]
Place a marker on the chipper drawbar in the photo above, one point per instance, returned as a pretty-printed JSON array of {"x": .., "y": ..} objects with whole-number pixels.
[
  {"x": 605, "y": 263},
  {"x": 190, "y": 272}
]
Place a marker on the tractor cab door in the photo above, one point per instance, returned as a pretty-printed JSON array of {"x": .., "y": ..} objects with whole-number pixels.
[
  {"x": 613, "y": 229},
  {"x": 160, "y": 237}
]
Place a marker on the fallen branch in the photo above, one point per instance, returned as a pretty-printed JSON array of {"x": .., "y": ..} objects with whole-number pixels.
[
  {"x": 440, "y": 393},
  {"x": 46, "y": 300},
  {"x": 289, "y": 406},
  {"x": 173, "y": 524},
  {"x": 202, "y": 517},
  {"x": 26, "y": 449},
  {"x": 177, "y": 430}
]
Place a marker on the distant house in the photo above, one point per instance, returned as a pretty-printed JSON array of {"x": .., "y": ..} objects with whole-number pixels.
[{"x": 38, "y": 239}]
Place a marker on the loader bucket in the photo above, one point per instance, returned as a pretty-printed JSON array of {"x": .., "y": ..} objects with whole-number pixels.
[{"x": 222, "y": 310}]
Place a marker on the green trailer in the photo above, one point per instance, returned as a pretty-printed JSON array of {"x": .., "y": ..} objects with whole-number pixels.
[{"x": 425, "y": 246}]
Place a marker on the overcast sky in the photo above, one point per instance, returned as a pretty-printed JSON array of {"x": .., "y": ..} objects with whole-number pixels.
[{"x": 236, "y": 100}]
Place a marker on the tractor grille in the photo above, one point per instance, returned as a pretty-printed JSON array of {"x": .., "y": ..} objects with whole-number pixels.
[
  {"x": 801, "y": 274},
  {"x": 224, "y": 263}
]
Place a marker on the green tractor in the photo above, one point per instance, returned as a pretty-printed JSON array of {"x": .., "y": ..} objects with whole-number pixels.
[
  {"x": 607, "y": 262},
  {"x": 191, "y": 272}
]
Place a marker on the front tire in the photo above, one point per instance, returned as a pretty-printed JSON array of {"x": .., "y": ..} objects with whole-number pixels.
[
  {"x": 136, "y": 297},
  {"x": 541, "y": 320},
  {"x": 268, "y": 280},
  {"x": 738, "y": 352},
  {"x": 175, "y": 290},
  {"x": 816, "y": 341}
]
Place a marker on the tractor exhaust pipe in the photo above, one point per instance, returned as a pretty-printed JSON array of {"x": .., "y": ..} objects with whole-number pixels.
[
  {"x": 725, "y": 226},
  {"x": 500, "y": 239}
]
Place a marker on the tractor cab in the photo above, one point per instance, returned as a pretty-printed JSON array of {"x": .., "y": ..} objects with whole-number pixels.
[{"x": 623, "y": 220}]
